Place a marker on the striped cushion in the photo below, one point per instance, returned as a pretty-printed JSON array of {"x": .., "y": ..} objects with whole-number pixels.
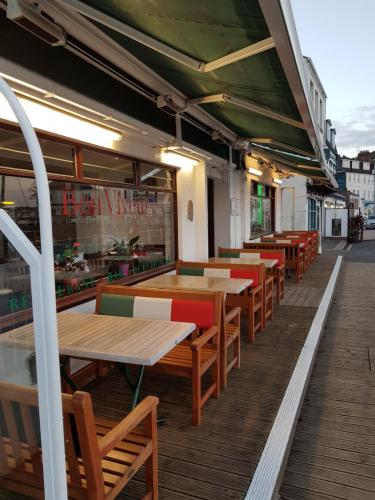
[
  {"x": 247, "y": 275},
  {"x": 230, "y": 255},
  {"x": 192, "y": 311},
  {"x": 191, "y": 271},
  {"x": 217, "y": 272},
  {"x": 249, "y": 255},
  {"x": 273, "y": 255}
]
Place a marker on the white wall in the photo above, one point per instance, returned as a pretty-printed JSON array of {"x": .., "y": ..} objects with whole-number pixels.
[
  {"x": 222, "y": 211},
  {"x": 339, "y": 213},
  {"x": 193, "y": 237},
  {"x": 294, "y": 204}
]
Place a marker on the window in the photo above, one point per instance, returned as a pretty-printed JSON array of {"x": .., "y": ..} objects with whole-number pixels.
[
  {"x": 107, "y": 167},
  {"x": 312, "y": 214},
  {"x": 102, "y": 233},
  {"x": 58, "y": 157},
  {"x": 154, "y": 175},
  {"x": 261, "y": 209}
]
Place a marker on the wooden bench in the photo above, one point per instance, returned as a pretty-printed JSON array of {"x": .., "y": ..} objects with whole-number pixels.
[
  {"x": 313, "y": 234},
  {"x": 278, "y": 272},
  {"x": 192, "y": 358},
  {"x": 101, "y": 455},
  {"x": 251, "y": 300},
  {"x": 307, "y": 249},
  {"x": 293, "y": 254}
]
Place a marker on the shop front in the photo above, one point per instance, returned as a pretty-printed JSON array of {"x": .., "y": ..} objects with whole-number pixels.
[{"x": 114, "y": 218}]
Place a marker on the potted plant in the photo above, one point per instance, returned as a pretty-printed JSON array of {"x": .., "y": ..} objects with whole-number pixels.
[{"x": 124, "y": 249}]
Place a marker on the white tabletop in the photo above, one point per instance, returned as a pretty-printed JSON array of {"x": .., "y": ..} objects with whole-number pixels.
[
  {"x": 250, "y": 261},
  {"x": 188, "y": 282},
  {"x": 108, "y": 338}
]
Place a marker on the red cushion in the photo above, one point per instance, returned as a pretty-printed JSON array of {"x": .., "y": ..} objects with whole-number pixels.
[
  {"x": 245, "y": 274},
  {"x": 193, "y": 311},
  {"x": 273, "y": 255}
]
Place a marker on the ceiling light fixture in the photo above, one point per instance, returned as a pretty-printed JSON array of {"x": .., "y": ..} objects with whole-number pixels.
[{"x": 255, "y": 171}]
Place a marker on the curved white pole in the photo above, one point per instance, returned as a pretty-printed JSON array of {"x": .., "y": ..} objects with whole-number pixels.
[{"x": 46, "y": 342}]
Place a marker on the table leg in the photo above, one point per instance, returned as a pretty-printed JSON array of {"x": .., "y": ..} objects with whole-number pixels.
[
  {"x": 64, "y": 363},
  {"x": 135, "y": 387}
]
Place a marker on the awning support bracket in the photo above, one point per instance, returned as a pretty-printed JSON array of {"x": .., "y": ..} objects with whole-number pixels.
[{"x": 250, "y": 106}]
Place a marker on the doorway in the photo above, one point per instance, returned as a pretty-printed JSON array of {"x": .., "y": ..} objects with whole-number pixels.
[{"x": 211, "y": 217}]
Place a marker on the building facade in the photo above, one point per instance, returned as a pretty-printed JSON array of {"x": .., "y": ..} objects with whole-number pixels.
[
  {"x": 330, "y": 149},
  {"x": 360, "y": 179}
]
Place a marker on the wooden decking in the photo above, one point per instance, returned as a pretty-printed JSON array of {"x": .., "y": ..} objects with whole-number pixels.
[
  {"x": 217, "y": 460},
  {"x": 333, "y": 453}
]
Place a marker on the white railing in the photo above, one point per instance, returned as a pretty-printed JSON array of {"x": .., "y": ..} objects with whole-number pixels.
[{"x": 44, "y": 312}]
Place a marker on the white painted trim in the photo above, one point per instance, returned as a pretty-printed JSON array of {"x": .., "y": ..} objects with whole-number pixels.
[
  {"x": 269, "y": 472},
  {"x": 44, "y": 312}
]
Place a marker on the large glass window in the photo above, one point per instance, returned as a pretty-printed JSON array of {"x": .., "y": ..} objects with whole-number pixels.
[
  {"x": 261, "y": 209},
  {"x": 58, "y": 157},
  {"x": 154, "y": 175},
  {"x": 107, "y": 167},
  {"x": 102, "y": 233}
]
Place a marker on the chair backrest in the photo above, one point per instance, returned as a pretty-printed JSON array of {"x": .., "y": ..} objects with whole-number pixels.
[
  {"x": 292, "y": 249},
  {"x": 20, "y": 448},
  {"x": 248, "y": 253},
  {"x": 218, "y": 270},
  {"x": 202, "y": 308}
]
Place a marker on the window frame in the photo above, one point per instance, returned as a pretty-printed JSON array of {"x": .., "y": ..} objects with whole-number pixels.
[
  {"x": 78, "y": 146},
  {"x": 271, "y": 197}
]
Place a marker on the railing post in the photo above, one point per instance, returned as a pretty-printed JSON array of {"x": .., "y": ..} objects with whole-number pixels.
[{"x": 46, "y": 341}]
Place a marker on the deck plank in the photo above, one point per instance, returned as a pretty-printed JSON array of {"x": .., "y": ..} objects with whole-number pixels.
[{"x": 333, "y": 452}]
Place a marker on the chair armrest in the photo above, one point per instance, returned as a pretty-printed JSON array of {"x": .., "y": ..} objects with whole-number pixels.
[
  {"x": 125, "y": 426},
  {"x": 280, "y": 267},
  {"x": 269, "y": 279},
  {"x": 203, "y": 339},
  {"x": 256, "y": 289},
  {"x": 235, "y": 311}
]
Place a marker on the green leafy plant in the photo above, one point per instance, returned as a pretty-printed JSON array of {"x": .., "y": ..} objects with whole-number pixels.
[{"x": 124, "y": 248}]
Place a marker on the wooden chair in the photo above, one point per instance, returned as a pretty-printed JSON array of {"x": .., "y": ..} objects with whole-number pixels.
[
  {"x": 293, "y": 256},
  {"x": 101, "y": 455},
  {"x": 307, "y": 250},
  {"x": 277, "y": 272},
  {"x": 312, "y": 234},
  {"x": 251, "y": 300},
  {"x": 193, "y": 358}
]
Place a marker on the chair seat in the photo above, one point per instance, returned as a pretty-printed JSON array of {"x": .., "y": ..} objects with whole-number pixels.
[
  {"x": 118, "y": 466},
  {"x": 231, "y": 333},
  {"x": 182, "y": 356}
]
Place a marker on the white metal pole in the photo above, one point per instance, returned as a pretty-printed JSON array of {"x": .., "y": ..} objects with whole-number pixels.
[{"x": 46, "y": 342}]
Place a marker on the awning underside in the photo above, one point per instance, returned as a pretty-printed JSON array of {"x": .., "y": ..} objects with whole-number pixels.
[
  {"x": 297, "y": 164},
  {"x": 206, "y": 32}
]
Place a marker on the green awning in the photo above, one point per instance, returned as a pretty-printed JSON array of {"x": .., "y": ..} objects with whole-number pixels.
[
  {"x": 206, "y": 31},
  {"x": 301, "y": 165}
]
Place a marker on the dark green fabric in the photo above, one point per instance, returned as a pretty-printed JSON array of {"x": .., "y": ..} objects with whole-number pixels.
[
  {"x": 191, "y": 271},
  {"x": 116, "y": 305},
  {"x": 230, "y": 255},
  {"x": 208, "y": 31}
]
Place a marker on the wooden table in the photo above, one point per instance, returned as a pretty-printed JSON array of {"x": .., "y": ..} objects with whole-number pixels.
[
  {"x": 226, "y": 285},
  {"x": 109, "y": 338},
  {"x": 268, "y": 263}
]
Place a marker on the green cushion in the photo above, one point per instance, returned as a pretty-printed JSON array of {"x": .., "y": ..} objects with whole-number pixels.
[
  {"x": 230, "y": 255},
  {"x": 116, "y": 305},
  {"x": 192, "y": 271}
]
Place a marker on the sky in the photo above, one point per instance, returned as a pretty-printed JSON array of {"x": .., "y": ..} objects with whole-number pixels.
[{"x": 339, "y": 36}]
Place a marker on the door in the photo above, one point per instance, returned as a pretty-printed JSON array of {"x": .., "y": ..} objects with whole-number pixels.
[{"x": 211, "y": 217}]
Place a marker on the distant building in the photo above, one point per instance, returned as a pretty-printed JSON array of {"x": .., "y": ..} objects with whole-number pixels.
[
  {"x": 318, "y": 96},
  {"x": 360, "y": 179},
  {"x": 330, "y": 149}
]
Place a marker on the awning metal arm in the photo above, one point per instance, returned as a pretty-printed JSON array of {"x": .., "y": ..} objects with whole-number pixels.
[
  {"x": 278, "y": 144},
  {"x": 166, "y": 50},
  {"x": 250, "y": 106}
]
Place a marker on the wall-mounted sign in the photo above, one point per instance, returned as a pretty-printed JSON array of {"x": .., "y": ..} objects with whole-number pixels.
[{"x": 190, "y": 211}]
